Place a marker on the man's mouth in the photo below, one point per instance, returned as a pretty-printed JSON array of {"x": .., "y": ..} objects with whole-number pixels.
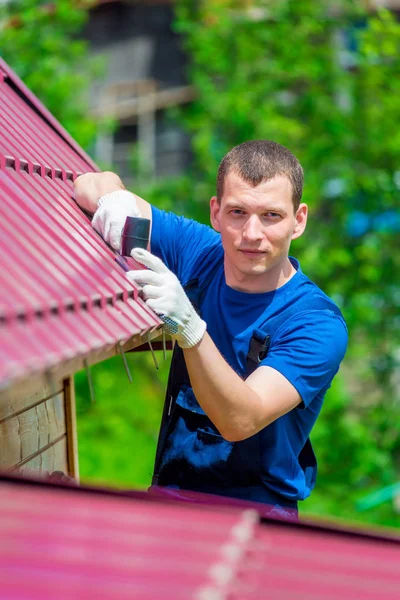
[{"x": 251, "y": 252}]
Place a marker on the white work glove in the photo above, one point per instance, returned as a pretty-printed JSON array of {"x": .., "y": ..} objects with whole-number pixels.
[
  {"x": 110, "y": 216},
  {"x": 164, "y": 294}
]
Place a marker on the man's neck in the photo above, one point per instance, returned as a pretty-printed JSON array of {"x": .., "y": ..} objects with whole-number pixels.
[{"x": 273, "y": 279}]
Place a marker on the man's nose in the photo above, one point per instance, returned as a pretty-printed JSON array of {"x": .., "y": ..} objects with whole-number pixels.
[{"x": 252, "y": 230}]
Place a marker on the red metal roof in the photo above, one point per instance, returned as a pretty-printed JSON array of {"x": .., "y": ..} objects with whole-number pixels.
[
  {"x": 14, "y": 82},
  {"x": 317, "y": 564},
  {"x": 74, "y": 543},
  {"x": 62, "y": 294}
]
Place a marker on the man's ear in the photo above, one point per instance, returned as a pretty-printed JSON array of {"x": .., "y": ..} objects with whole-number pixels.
[
  {"x": 301, "y": 221},
  {"x": 215, "y": 213}
]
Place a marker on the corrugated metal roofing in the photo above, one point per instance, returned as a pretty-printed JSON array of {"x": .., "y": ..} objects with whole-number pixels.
[
  {"x": 62, "y": 294},
  {"x": 312, "y": 564},
  {"x": 15, "y": 83},
  {"x": 94, "y": 546},
  {"x": 23, "y": 134},
  {"x": 70, "y": 543}
]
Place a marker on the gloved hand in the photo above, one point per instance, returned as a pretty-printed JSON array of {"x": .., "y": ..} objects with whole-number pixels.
[
  {"x": 164, "y": 294},
  {"x": 109, "y": 219}
]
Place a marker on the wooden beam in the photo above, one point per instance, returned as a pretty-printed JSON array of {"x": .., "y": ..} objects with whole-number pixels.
[
  {"x": 51, "y": 458},
  {"x": 72, "y": 436},
  {"x": 130, "y": 108},
  {"x": 21, "y": 397},
  {"x": 27, "y": 433}
]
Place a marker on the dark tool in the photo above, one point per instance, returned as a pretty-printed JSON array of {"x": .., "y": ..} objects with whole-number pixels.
[{"x": 135, "y": 234}]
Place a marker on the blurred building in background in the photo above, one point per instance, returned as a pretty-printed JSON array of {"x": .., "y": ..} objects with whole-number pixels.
[{"x": 144, "y": 77}]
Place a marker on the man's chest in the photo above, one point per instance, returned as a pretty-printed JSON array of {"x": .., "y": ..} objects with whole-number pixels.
[{"x": 231, "y": 325}]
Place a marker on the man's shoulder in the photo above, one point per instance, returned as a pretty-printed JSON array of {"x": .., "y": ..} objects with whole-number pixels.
[
  {"x": 189, "y": 248},
  {"x": 182, "y": 229},
  {"x": 306, "y": 306}
]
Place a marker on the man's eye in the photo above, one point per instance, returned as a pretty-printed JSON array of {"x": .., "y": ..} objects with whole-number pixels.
[
  {"x": 272, "y": 215},
  {"x": 237, "y": 211}
]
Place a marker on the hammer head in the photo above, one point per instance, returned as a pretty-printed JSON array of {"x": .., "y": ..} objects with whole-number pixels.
[{"x": 135, "y": 234}]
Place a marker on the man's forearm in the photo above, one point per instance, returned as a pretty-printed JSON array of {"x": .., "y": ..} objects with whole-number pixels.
[
  {"x": 234, "y": 408},
  {"x": 92, "y": 186}
]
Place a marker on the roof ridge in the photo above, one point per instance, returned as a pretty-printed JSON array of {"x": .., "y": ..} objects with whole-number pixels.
[{"x": 96, "y": 300}]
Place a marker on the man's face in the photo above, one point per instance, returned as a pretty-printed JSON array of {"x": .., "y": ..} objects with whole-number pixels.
[{"x": 257, "y": 225}]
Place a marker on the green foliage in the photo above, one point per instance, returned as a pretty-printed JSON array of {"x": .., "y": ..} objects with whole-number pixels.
[
  {"x": 117, "y": 434},
  {"x": 355, "y": 456},
  {"x": 39, "y": 41}
]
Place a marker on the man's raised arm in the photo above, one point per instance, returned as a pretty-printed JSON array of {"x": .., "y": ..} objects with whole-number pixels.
[{"x": 105, "y": 196}]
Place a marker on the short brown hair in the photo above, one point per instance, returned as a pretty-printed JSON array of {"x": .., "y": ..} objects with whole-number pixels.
[{"x": 259, "y": 160}]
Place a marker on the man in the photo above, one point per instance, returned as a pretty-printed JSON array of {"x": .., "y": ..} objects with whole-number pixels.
[{"x": 252, "y": 368}]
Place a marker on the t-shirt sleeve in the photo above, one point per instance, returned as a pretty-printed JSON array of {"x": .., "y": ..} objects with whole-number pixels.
[
  {"x": 180, "y": 242},
  {"x": 308, "y": 350}
]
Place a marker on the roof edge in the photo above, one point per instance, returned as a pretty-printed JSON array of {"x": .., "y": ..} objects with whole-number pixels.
[
  {"x": 205, "y": 502},
  {"x": 46, "y": 114}
]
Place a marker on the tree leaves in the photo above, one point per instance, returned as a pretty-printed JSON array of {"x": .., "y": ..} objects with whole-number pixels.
[{"x": 39, "y": 41}]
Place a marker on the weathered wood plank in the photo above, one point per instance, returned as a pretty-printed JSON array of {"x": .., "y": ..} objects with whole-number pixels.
[
  {"x": 61, "y": 456},
  {"x": 59, "y": 412},
  {"x": 51, "y": 459},
  {"x": 28, "y": 432},
  {"x": 23, "y": 435},
  {"x": 32, "y": 467},
  {"x": 21, "y": 397},
  {"x": 43, "y": 421},
  {"x": 10, "y": 444},
  {"x": 48, "y": 460}
]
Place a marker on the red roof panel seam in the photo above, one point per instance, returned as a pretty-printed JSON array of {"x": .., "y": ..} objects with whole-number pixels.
[
  {"x": 71, "y": 306},
  {"x": 35, "y": 168}
]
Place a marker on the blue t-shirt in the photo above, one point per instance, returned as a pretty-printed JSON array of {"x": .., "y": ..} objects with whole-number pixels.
[{"x": 306, "y": 348}]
